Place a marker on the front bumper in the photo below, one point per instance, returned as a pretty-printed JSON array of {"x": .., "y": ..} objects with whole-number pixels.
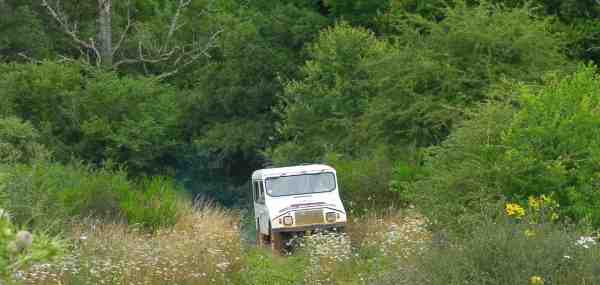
[{"x": 310, "y": 227}]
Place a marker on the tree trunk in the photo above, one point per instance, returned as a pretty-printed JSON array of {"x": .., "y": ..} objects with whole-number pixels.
[{"x": 104, "y": 32}]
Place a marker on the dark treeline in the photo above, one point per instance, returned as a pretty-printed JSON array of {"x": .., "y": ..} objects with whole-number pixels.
[{"x": 207, "y": 91}]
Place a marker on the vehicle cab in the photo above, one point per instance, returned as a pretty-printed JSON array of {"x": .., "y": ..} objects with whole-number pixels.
[{"x": 296, "y": 199}]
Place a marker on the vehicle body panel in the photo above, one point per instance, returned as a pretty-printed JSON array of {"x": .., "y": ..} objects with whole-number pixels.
[{"x": 308, "y": 211}]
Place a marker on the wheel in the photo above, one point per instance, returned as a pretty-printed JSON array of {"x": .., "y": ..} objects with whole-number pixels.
[
  {"x": 260, "y": 239},
  {"x": 340, "y": 229},
  {"x": 276, "y": 241}
]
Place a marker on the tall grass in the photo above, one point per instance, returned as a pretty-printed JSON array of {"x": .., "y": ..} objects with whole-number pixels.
[
  {"x": 44, "y": 194},
  {"x": 373, "y": 245},
  {"x": 204, "y": 247},
  {"x": 201, "y": 248},
  {"x": 507, "y": 251}
]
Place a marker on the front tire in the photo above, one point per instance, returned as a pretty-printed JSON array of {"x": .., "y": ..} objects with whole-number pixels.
[
  {"x": 276, "y": 242},
  {"x": 261, "y": 239}
]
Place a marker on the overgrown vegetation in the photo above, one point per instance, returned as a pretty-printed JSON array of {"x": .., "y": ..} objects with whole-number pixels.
[
  {"x": 481, "y": 117},
  {"x": 548, "y": 145}
]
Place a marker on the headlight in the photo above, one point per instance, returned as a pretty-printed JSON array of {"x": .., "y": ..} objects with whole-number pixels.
[
  {"x": 330, "y": 217},
  {"x": 288, "y": 220}
]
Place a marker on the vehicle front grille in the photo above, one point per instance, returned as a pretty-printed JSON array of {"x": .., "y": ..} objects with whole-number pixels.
[{"x": 309, "y": 217}]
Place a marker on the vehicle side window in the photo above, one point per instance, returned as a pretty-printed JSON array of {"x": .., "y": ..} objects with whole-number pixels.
[
  {"x": 255, "y": 190},
  {"x": 261, "y": 192}
]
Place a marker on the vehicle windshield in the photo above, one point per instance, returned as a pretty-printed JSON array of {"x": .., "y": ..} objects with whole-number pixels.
[{"x": 300, "y": 184}]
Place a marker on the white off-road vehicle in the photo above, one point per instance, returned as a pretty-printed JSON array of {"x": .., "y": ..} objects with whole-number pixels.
[{"x": 289, "y": 201}]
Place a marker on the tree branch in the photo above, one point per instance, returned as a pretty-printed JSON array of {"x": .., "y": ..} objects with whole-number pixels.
[
  {"x": 62, "y": 20},
  {"x": 173, "y": 27},
  {"x": 194, "y": 55},
  {"x": 180, "y": 56},
  {"x": 125, "y": 31}
]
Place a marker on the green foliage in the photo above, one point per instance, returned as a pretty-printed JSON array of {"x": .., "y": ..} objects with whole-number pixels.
[
  {"x": 19, "y": 141},
  {"x": 548, "y": 145},
  {"x": 154, "y": 204},
  {"x": 229, "y": 113},
  {"x": 131, "y": 121},
  {"x": 95, "y": 115},
  {"x": 44, "y": 193},
  {"x": 263, "y": 268},
  {"x": 459, "y": 175},
  {"x": 228, "y": 116},
  {"x": 579, "y": 18},
  {"x": 357, "y": 91},
  {"x": 22, "y": 33},
  {"x": 19, "y": 249},
  {"x": 554, "y": 144},
  {"x": 320, "y": 109},
  {"x": 357, "y": 12},
  {"x": 364, "y": 182},
  {"x": 502, "y": 252},
  {"x": 444, "y": 67}
]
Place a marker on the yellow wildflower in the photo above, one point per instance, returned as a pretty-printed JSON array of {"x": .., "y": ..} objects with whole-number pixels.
[
  {"x": 529, "y": 233},
  {"x": 536, "y": 280},
  {"x": 514, "y": 210},
  {"x": 534, "y": 203}
]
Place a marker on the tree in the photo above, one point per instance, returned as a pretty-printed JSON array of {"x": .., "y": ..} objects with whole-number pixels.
[
  {"x": 444, "y": 67},
  {"x": 145, "y": 47},
  {"x": 356, "y": 12},
  {"x": 546, "y": 141},
  {"x": 321, "y": 108},
  {"x": 22, "y": 35},
  {"x": 228, "y": 116},
  {"x": 104, "y": 34},
  {"x": 357, "y": 92},
  {"x": 96, "y": 115}
]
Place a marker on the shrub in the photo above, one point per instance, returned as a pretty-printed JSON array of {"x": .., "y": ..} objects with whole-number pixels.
[
  {"x": 364, "y": 183},
  {"x": 92, "y": 114},
  {"x": 45, "y": 193},
  {"x": 505, "y": 252},
  {"x": 154, "y": 204},
  {"x": 549, "y": 144},
  {"x": 20, "y": 249},
  {"x": 19, "y": 141},
  {"x": 554, "y": 145},
  {"x": 457, "y": 182},
  {"x": 321, "y": 108},
  {"x": 442, "y": 67}
]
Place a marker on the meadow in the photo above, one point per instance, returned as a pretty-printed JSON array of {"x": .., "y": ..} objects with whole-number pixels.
[{"x": 465, "y": 135}]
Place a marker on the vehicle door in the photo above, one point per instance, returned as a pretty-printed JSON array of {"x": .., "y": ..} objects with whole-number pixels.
[{"x": 260, "y": 210}]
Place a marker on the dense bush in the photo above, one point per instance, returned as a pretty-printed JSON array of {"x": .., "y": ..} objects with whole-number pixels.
[
  {"x": 44, "y": 193},
  {"x": 441, "y": 68},
  {"x": 506, "y": 252},
  {"x": 154, "y": 203},
  {"x": 19, "y": 141},
  {"x": 458, "y": 181},
  {"x": 95, "y": 115},
  {"x": 19, "y": 249},
  {"x": 358, "y": 91},
  {"x": 548, "y": 145},
  {"x": 364, "y": 183},
  {"x": 320, "y": 109},
  {"x": 554, "y": 145}
]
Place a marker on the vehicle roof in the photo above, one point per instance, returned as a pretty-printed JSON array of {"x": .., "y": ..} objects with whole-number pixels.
[{"x": 290, "y": 170}]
